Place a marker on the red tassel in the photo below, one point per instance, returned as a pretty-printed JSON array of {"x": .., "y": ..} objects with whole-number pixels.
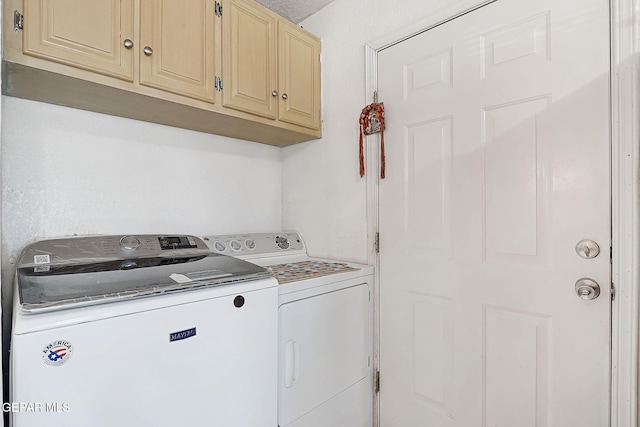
[
  {"x": 382, "y": 157},
  {"x": 361, "y": 155}
]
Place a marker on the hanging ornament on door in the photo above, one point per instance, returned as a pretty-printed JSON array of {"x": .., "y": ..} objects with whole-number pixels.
[{"x": 372, "y": 121}]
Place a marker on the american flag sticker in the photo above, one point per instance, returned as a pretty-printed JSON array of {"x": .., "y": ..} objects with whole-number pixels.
[{"x": 57, "y": 353}]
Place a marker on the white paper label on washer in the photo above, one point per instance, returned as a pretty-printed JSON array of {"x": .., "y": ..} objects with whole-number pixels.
[
  {"x": 41, "y": 259},
  {"x": 180, "y": 278}
]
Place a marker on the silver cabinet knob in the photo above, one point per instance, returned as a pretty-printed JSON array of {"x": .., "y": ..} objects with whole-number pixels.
[
  {"x": 587, "y": 249},
  {"x": 128, "y": 43},
  {"x": 147, "y": 51},
  {"x": 285, "y": 96},
  {"x": 274, "y": 93},
  {"x": 587, "y": 289}
]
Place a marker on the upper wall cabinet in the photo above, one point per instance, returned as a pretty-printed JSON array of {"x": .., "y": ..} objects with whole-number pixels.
[
  {"x": 298, "y": 76},
  {"x": 177, "y": 47},
  {"x": 227, "y": 67},
  {"x": 85, "y": 34},
  {"x": 271, "y": 66},
  {"x": 249, "y": 58}
]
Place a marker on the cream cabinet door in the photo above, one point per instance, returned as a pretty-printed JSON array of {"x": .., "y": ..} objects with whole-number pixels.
[
  {"x": 84, "y": 34},
  {"x": 298, "y": 76},
  {"x": 249, "y": 58},
  {"x": 177, "y": 47}
]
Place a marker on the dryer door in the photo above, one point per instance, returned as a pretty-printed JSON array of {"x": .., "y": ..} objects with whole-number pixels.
[{"x": 323, "y": 350}]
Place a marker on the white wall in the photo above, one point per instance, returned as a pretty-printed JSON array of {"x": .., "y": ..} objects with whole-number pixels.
[
  {"x": 69, "y": 171},
  {"x": 324, "y": 197}
]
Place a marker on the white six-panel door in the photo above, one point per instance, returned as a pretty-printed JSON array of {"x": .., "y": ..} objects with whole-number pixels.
[{"x": 497, "y": 166}]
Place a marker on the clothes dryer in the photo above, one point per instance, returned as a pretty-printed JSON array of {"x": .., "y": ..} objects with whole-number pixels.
[{"x": 325, "y": 363}]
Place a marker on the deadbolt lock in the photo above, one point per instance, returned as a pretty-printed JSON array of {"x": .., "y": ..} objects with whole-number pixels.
[{"x": 587, "y": 249}]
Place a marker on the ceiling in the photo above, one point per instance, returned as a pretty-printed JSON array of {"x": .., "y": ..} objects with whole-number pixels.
[{"x": 295, "y": 10}]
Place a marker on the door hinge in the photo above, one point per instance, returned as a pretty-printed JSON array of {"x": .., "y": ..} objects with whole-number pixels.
[
  {"x": 611, "y": 255},
  {"x": 218, "y": 9},
  {"x": 217, "y": 84},
  {"x": 613, "y": 292},
  {"x": 377, "y": 382},
  {"x": 18, "y": 21},
  {"x": 376, "y": 242}
]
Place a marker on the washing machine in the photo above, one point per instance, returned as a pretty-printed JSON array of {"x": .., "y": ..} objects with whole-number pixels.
[
  {"x": 143, "y": 330},
  {"x": 325, "y": 335}
]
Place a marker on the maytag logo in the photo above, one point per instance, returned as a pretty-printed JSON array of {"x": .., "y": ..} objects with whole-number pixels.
[{"x": 181, "y": 335}]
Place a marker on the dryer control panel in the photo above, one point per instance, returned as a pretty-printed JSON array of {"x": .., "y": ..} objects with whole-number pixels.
[{"x": 256, "y": 244}]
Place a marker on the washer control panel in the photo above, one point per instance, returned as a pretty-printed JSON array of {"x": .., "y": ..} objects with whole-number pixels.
[
  {"x": 150, "y": 244},
  {"x": 256, "y": 244},
  {"x": 90, "y": 248}
]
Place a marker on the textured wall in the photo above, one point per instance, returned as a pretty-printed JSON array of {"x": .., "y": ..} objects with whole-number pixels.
[
  {"x": 69, "y": 171},
  {"x": 324, "y": 196}
]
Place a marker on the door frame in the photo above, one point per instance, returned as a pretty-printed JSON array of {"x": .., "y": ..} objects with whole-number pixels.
[{"x": 625, "y": 207}]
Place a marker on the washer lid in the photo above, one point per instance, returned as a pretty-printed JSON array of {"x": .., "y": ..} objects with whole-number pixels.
[{"x": 50, "y": 287}]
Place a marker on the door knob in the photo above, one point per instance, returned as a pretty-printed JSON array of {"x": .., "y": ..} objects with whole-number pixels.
[
  {"x": 587, "y": 289},
  {"x": 147, "y": 51},
  {"x": 128, "y": 43},
  {"x": 285, "y": 96}
]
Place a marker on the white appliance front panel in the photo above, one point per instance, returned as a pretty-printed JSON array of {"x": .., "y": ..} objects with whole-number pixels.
[
  {"x": 324, "y": 349},
  {"x": 351, "y": 408},
  {"x": 125, "y": 371}
]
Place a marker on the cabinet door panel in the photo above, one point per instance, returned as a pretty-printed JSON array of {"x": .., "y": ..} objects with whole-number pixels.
[
  {"x": 82, "y": 34},
  {"x": 249, "y": 59},
  {"x": 299, "y": 76},
  {"x": 182, "y": 41}
]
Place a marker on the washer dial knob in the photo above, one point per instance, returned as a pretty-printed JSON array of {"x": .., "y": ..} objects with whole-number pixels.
[
  {"x": 130, "y": 243},
  {"x": 220, "y": 246},
  {"x": 250, "y": 244}
]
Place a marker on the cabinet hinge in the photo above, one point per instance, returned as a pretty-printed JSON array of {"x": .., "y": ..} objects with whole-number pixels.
[
  {"x": 376, "y": 242},
  {"x": 18, "y": 21},
  {"x": 218, "y": 84},
  {"x": 218, "y": 9},
  {"x": 377, "y": 382}
]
